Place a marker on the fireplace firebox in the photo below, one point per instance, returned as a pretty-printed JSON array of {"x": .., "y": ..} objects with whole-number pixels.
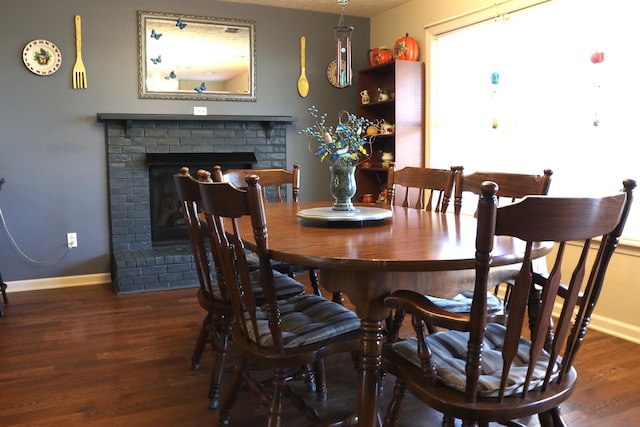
[{"x": 167, "y": 223}]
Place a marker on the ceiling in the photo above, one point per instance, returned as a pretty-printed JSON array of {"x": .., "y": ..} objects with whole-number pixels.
[{"x": 362, "y": 8}]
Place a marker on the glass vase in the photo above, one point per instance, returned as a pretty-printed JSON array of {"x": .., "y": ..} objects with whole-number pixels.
[{"x": 343, "y": 186}]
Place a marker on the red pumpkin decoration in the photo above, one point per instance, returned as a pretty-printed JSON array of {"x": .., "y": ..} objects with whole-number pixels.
[
  {"x": 406, "y": 48},
  {"x": 597, "y": 57}
]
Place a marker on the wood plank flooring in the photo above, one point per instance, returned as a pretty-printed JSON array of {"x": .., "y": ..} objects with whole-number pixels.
[{"x": 86, "y": 357}]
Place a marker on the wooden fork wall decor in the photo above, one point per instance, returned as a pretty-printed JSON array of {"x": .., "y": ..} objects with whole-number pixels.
[{"x": 79, "y": 72}]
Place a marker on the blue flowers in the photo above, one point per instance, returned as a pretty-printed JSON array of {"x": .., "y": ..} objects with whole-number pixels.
[{"x": 342, "y": 145}]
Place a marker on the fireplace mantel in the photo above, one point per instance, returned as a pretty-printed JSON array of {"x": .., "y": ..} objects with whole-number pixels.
[{"x": 266, "y": 121}]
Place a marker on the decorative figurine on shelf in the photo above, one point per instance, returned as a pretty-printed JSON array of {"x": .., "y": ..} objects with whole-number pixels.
[
  {"x": 382, "y": 95},
  {"x": 387, "y": 128},
  {"x": 364, "y": 96},
  {"x": 382, "y": 197},
  {"x": 367, "y": 198},
  {"x": 387, "y": 159}
]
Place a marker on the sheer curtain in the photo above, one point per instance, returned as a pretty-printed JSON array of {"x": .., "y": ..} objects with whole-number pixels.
[{"x": 549, "y": 105}]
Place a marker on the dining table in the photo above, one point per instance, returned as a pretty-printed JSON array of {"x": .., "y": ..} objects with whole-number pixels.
[{"x": 368, "y": 257}]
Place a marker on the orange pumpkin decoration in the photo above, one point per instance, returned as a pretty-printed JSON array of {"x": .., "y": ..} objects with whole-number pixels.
[
  {"x": 379, "y": 55},
  {"x": 406, "y": 48}
]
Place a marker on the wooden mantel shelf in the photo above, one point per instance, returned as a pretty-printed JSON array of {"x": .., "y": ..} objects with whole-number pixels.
[
  {"x": 266, "y": 121},
  {"x": 102, "y": 117}
]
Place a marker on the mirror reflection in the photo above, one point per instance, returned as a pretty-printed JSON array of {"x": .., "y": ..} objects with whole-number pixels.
[{"x": 196, "y": 57}]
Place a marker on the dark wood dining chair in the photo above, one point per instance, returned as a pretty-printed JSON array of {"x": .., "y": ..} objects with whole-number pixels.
[
  {"x": 419, "y": 187},
  {"x": 274, "y": 183},
  {"x": 281, "y": 335},
  {"x": 513, "y": 186},
  {"x": 212, "y": 294},
  {"x": 489, "y": 372}
]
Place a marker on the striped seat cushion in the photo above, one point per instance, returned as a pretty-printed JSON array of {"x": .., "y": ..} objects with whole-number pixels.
[
  {"x": 461, "y": 303},
  {"x": 306, "y": 319},
  {"x": 253, "y": 262},
  {"x": 449, "y": 352},
  {"x": 285, "y": 285}
]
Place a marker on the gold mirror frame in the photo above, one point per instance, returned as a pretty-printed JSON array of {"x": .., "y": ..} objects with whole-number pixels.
[{"x": 196, "y": 57}]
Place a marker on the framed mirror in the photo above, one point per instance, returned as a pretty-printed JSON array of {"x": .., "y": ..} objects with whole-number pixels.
[{"x": 196, "y": 57}]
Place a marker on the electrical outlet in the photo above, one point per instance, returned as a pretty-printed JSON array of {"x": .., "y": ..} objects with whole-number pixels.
[
  {"x": 199, "y": 111},
  {"x": 72, "y": 240}
]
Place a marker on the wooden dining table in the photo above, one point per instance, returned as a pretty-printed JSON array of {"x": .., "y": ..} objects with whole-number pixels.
[{"x": 367, "y": 260}]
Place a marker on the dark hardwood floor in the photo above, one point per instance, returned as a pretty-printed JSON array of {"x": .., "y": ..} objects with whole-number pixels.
[{"x": 86, "y": 357}]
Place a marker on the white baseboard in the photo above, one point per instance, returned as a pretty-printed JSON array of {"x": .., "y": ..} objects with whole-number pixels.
[
  {"x": 58, "y": 282},
  {"x": 615, "y": 328},
  {"x": 609, "y": 326}
]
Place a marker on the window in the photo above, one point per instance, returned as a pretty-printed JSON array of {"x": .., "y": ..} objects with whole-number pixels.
[{"x": 552, "y": 106}]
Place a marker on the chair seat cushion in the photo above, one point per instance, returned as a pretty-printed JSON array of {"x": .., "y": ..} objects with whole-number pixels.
[
  {"x": 449, "y": 352},
  {"x": 307, "y": 319},
  {"x": 461, "y": 303},
  {"x": 253, "y": 262},
  {"x": 285, "y": 285}
]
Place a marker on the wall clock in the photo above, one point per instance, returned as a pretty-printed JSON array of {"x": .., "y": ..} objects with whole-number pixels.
[
  {"x": 332, "y": 75},
  {"x": 42, "y": 57}
]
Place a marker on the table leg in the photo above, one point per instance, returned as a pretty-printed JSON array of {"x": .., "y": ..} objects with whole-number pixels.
[
  {"x": 369, "y": 373},
  {"x": 366, "y": 290}
]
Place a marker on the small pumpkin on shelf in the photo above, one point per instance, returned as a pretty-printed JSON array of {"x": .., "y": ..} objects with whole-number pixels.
[{"x": 407, "y": 48}]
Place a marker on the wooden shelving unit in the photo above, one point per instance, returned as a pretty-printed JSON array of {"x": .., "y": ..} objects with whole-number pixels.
[{"x": 403, "y": 81}]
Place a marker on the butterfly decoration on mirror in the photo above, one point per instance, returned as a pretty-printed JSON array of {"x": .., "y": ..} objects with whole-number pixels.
[
  {"x": 157, "y": 60},
  {"x": 171, "y": 75},
  {"x": 155, "y": 35},
  {"x": 180, "y": 24},
  {"x": 201, "y": 88}
]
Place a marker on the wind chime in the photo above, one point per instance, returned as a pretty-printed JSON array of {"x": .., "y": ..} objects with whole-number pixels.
[
  {"x": 343, "y": 49},
  {"x": 497, "y": 55}
]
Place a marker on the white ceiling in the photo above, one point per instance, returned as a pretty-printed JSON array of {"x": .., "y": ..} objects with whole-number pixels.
[{"x": 362, "y": 8}]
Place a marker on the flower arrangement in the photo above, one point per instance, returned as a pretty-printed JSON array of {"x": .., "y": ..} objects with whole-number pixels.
[{"x": 345, "y": 143}]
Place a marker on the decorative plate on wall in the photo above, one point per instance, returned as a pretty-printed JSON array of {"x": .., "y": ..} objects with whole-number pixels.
[
  {"x": 42, "y": 57},
  {"x": 332, "y": 73}
]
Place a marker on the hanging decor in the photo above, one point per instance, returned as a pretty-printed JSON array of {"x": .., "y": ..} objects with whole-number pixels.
[
  {"x": 495, "y": 80},
  {"x": 597, "y": 58},
  {"x": 342, "y": 35},
  {"x": 496, "y": 58}
]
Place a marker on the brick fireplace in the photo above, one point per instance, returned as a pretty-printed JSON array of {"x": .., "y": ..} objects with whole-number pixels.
[{"x": 138, "y": 263}]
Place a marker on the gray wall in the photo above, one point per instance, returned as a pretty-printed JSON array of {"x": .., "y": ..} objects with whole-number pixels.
[{"x": 53, "y": 149}]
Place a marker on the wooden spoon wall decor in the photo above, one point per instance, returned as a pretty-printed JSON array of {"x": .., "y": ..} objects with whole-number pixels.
[{"x": 303, "y": 83}]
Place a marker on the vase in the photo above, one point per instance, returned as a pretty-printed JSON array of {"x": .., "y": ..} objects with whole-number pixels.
[{"x": 343, "y": 186}]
